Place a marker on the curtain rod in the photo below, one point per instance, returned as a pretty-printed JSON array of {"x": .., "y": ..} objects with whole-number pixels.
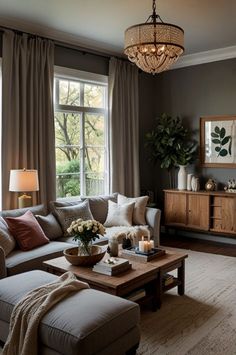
[{"x": 61, "y": 44}]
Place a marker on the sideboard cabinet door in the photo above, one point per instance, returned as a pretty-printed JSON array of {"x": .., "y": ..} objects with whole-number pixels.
[
  {"x": 175, "y": 209},
  {"x": 198, "y": 211}
]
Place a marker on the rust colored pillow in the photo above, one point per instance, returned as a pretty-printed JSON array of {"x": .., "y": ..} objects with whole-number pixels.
[{"x": 26, "y": 231}]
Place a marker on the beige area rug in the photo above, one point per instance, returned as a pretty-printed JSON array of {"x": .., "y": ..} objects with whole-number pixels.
[{"x": 203, "y": 322}]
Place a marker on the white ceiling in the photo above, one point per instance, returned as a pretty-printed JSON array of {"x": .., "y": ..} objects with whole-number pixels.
[{"x": 100, "y": 24}]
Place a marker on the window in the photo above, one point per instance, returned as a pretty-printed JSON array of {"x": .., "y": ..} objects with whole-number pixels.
[{"x": 80, "y": 133}]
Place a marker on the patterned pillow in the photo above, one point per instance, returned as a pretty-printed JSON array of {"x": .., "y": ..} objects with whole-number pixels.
[
  {"x": 139, "y": 207},
  {"x": 68, "y": 214},
  {"x": 119, "y": 215},
  {"x": 50, "y": 226},
  {"x": 7, "y": 241}
]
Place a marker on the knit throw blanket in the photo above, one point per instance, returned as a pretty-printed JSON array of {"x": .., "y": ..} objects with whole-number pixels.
[{"x": 26, "y": 315}]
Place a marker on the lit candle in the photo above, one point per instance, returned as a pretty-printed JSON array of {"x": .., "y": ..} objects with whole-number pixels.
[
  {"x": 145, "y": 246},
  {"x": 152, "y": 243},
  {"x": 141, "y": 245}
]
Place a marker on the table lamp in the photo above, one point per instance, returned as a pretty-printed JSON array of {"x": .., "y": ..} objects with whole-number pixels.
[{"x": 24, "y": 181}]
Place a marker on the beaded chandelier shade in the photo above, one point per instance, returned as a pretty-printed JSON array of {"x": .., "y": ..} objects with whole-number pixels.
[{"x": 154, "y": 46}]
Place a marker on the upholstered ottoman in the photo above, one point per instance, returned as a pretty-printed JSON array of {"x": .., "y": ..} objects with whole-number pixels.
[{"x": 87, "y": 322}]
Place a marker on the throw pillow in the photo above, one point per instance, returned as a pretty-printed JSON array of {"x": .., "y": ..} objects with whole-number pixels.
[
  {"x": 119, "y": 215},
  {"x": 99, "y": 205},
  {"x": 140, "y": 204},
  {"x": 70, "y": 213},
  {"x": 64, "y": 202},
  {"x": 7, "y": 241},
  {"x": 27, "y": 231},
  {"x": 50, "y": 226}
]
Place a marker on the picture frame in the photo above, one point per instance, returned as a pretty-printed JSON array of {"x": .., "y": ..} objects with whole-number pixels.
[{"x": 218, "y": 141}]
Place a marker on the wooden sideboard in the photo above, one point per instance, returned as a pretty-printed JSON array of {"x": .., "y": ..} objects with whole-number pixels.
[{"x": 213, "y": 212}]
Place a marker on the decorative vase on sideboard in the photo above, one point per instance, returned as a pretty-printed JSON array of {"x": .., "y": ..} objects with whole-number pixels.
[{"x": 182, "y": 178}]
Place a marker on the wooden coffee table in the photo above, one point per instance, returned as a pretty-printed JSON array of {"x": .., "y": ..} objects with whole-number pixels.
[{"x": 142, "y": 275}]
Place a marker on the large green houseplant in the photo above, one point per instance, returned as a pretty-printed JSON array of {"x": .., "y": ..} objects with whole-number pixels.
[{"x": 169, "y": 143}]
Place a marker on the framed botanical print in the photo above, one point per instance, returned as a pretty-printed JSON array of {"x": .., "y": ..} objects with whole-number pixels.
[{"x": 218, "y": 141}]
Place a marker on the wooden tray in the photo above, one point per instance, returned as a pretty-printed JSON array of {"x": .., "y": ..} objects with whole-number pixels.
[{"x": 132, "y": 254}]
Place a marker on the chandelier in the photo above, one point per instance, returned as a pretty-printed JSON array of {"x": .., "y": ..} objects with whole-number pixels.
[{"x": 154, "y": 46}]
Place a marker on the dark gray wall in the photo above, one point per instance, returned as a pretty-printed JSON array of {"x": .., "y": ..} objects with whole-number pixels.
[
  {"x": 192, "y": 92},
  {"x": 72, "y": 58}
]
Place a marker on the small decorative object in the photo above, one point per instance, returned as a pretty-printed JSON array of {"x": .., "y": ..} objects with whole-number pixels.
[
  {"x": 231, "y": 186},
  {"x": 195, "y": 184},
  {"x": 85, "y": 232},
  {"x": 182, "y": 178},
  {"x": 189, "y": 180},
  {"x": 126, "y": 242},
  {"x": 210, "y": 185},
  {"x": 113, "y": 246},
  {"x": 74, "y": 256}
]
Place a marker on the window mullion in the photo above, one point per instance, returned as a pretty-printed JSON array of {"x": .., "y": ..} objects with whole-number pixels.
[{"x": 82, "y": 150}]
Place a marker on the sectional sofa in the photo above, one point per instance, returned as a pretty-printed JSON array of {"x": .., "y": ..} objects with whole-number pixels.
[{"x": 55, "y": 221}]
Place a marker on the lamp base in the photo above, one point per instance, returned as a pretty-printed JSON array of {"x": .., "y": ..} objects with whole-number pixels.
[{"x": 24, "y": 201}]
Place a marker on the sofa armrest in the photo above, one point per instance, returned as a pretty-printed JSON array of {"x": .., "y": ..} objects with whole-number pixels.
[
  {"x": 3, "y": 270},
  {"x": 153, "y": 218}
]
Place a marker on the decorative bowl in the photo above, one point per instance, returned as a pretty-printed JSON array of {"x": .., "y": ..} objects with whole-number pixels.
[{"x": 71, "y": 255}]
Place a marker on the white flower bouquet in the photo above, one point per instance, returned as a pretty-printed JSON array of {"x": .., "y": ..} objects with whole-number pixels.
[{"x": 85, "y": 232}]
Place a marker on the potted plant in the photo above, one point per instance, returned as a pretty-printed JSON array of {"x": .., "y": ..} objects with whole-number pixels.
[{"x": 169, "y": 144}]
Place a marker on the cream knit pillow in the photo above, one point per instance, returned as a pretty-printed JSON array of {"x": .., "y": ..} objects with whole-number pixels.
[
  {"x": 119, "y": 215},
  {"x": 140, "y": 204}
]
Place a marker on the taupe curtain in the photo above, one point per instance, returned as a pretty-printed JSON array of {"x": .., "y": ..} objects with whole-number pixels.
[
  {"x": 124, "y": 127},
  {"x": 27, "y": 113}
]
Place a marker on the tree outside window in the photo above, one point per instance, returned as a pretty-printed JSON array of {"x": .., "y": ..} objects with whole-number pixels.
[{"x": 80, "y": 137}]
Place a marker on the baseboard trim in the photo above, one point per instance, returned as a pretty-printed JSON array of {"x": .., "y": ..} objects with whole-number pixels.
[{"x": 199, "y": 235}]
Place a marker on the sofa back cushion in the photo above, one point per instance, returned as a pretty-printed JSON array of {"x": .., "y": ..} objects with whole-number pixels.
[
  {"x": 68, "y": 214},
  {"x": 50, "y": 226},
  {"x": 119, "y": 215},
  {"x": 27, "y": 231},
  {"x": 140, "y": 204},
  {"x": 38, "y": 209},
  {"x": 63, "y": 202},
  {"x": 7, "y": 241},
  {"x": 99, "y": 205}
]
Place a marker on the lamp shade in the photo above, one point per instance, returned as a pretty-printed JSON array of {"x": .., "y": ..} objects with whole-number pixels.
[{"x": 23, "y": 180}]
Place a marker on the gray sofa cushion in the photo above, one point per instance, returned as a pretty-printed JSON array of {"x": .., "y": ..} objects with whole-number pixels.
[
  {"x": 99, "y": 205},
  {"x": 19, "y": 261},
  {"x": 50, "y": 226},
  {"x": 38, "y": 209},
  {"x": 84, "y": 323}
]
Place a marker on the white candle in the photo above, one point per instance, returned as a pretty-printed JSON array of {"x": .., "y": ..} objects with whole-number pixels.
[
  {"x": 141, "y": 245},
  {"x": 152, "y": 243}
]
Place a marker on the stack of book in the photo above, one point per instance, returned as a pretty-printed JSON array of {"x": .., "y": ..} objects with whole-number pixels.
[
  {"x": 136, "y": 295},
  {"x": 112, "y": 266},
  {"x": 167, "y": 279}
]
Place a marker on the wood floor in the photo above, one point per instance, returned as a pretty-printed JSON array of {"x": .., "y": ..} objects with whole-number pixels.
[{"x": 198, "y": 245}]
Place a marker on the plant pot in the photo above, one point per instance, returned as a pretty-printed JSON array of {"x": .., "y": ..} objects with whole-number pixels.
[
  {"x": 182, "y": 178},
  {"x": 97, "y": 253}
]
